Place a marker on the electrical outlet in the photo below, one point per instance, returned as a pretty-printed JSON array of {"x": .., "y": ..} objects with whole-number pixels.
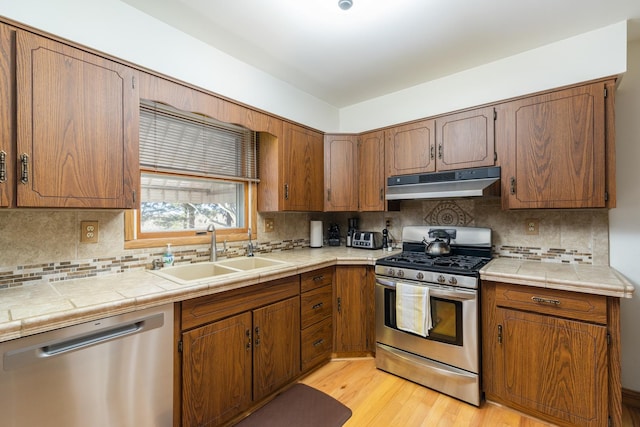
[
  {"x": 532, "y": 226},
  {"x": 268, "y": 225},
  {"x": 89, "y": 231},
  {"x": 387, "y": 222}
]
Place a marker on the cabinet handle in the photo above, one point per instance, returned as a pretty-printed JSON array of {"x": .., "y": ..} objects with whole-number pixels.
[
  {"x": 3, "y": 166},
  {"x": 432, "y": 152},
  {"x": 546, "y": 300},
  {"x": 382, "y": 194},
  {"x": 318, "y": 278},
  {"x": 257, "y": 335},
  {"x": 440, "y": 150},
  {"x": 512, "y": 184},
  {"x": 24, "y": 175},
  {"x": 286, "y": 191},
  {"x": 248, "y": 345},
  {"x": 317, "y": 306},
  {"x": 329, "y": 195},
  {"x": 339, "y": 305},
  {"x": 319, "y": 342},
  {"x": 499, "y": 334}
]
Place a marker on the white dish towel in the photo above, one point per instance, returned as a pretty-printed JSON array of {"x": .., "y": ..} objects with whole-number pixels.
[{"x": 413, "y": 309}]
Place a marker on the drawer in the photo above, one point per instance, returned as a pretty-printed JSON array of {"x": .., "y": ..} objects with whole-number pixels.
[
  {"x": 317, "y": 278},
  {"x": 315, "y": 305},
  {"x": 572, "y": 305},
  {"x": 316, "y": 344}
]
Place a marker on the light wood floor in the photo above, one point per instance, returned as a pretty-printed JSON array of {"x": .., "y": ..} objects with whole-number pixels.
[{"x": 379, "y": 399}]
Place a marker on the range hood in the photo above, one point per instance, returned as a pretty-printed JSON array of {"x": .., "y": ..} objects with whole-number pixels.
[{"x": 443, "y": 185}]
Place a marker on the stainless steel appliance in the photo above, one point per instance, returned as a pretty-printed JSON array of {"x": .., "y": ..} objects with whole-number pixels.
[
  {"x": 448, "y": 359},
  {"x": 459, "y": 183},
  {"x": 367, "y": 240},
  {"x": 116, "y": 371}
]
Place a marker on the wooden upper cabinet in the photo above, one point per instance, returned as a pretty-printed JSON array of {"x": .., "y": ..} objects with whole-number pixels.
[
  {"x": 557, "y": 149},
  {"x": 7, "y": 116},
  {"x": 371, "y": 174},
  {"x": 411, "y": 149},
  {"x": 302, "y": 169},
  {"x": 77, "y": 133},
  {"x": 340, "y": 173},
  {"x": 465, "y": 140}
]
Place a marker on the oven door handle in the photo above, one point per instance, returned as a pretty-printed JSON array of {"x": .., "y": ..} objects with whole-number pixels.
[{"x": 460, "y": 295}]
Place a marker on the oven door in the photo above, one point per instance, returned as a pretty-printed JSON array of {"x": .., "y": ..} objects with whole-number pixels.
[{"x": 454, "y": 337}]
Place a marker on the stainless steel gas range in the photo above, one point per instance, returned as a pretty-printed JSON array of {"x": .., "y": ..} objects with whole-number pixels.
[{"x": 427, "y": 311}]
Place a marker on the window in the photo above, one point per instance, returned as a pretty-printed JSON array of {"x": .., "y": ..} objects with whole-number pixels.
[{"x": 194, "y": 171}]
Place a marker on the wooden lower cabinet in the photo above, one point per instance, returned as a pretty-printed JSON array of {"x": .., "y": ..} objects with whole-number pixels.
[
  {"x": 238, "y": 347},
  {"x": 353, "y": 311},
  {"x": 551, "y": 353},
  {"x": 276, "y": 346},
  {"x": 316, "y": 310},
  {"x": 216, "y": 371}
]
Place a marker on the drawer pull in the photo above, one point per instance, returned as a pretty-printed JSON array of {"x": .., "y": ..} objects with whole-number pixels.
[
  {"x": 317, "y": 306},
  {"x": 546, "y": 300},
  {"x": 319, "y": 342},
  {"x": 318, "y": 278}
]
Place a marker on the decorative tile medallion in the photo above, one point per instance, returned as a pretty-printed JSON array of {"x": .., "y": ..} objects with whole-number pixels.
[{"x": 448, "y": 213}]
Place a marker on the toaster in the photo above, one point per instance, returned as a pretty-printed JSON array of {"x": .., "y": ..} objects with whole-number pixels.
[{"x": 367, "y": 240}]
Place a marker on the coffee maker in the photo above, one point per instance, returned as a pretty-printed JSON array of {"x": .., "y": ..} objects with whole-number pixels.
[{"x": 351, "y": 230}]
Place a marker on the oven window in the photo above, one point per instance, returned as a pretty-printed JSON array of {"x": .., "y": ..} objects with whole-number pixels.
[{"x": 446, "y": 316}]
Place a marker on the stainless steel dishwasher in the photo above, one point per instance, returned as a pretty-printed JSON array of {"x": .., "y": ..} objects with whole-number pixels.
[{"x": 115, "y": 372}]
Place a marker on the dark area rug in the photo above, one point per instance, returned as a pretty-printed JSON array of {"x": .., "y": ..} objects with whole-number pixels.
[{"x": 299, "y": 406}]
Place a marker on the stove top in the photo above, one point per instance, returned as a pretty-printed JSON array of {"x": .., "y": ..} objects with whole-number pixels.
[
  {"x": 422, "y": 261},
  {"x": 470, "y": 251}
]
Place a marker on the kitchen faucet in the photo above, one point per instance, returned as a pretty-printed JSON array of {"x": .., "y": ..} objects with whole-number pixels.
[
  {"x": 250, "y": 245},
  {"x": 214, "y": 251}
]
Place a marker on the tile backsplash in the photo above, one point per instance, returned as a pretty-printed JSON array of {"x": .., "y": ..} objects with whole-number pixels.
[{"x": 38, "y": 246}]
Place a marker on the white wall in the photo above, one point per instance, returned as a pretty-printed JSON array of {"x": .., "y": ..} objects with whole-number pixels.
[
  {"x": 118, "y": 29},
  {"x": 624, "y": 221},
  {"x": 596, "y": 54}
]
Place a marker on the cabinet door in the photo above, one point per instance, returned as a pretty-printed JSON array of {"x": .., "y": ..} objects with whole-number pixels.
[
  {"x": 411, "y": 149},
  {"x": 7, "y": 115},
  {"x": 556, "y": 149},
  {"x": 340, "y": 173},
  {"x": 371, "y": 172},
  {"x": 353, "y": 310},
  {"x": 216, "y": 371},
  {"x": 554, "y": 366},
  {"x": 465, "y": 140},
  {"x": 276, "y": 353},
  {"x": 77, "y": 126},
  {"x": 302, "y": 169}
]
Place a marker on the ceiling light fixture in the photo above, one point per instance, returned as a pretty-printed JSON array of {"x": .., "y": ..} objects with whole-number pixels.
[{"x": 345, "y": 4}]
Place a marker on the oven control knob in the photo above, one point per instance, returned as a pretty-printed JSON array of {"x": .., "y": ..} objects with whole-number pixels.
[
  {"x": 390, "y": 272},
  {"x": 441, "y": 279},
  {"x": 400, "y": 273},
  {"x": 453, "y": 280},
  {"x": 419, "y": 276}
]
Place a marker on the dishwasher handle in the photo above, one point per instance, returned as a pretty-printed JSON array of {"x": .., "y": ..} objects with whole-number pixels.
[{"x": 27, "y": 355}]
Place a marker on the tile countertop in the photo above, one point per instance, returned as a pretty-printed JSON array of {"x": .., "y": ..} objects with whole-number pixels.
[
  {"x": 590, "y": 279},
  {"x": 28, "y": 310}
]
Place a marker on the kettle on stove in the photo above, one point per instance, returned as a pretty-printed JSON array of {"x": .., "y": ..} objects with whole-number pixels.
[{"x": 438, "y": 246}]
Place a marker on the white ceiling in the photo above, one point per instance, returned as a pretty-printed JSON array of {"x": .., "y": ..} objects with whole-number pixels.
[{"x": 381, "y": 46}]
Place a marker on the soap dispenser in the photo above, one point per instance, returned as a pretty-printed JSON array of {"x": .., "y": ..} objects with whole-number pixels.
[{"x": 167, "y": 258}]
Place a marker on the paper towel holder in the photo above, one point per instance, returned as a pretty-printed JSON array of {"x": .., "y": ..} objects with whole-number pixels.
[{"x": 315, "y": 234}]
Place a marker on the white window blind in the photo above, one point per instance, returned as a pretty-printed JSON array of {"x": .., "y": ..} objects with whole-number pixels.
[{"x": 176, "y": 141}]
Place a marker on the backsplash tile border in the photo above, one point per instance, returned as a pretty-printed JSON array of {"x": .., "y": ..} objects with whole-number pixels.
[{"x": 136, "y": 259}]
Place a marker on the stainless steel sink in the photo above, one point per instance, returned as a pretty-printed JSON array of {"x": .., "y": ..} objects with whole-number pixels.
[
  {"x": 250, "y": 263},
  {"x": 192, "y": 273}
]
